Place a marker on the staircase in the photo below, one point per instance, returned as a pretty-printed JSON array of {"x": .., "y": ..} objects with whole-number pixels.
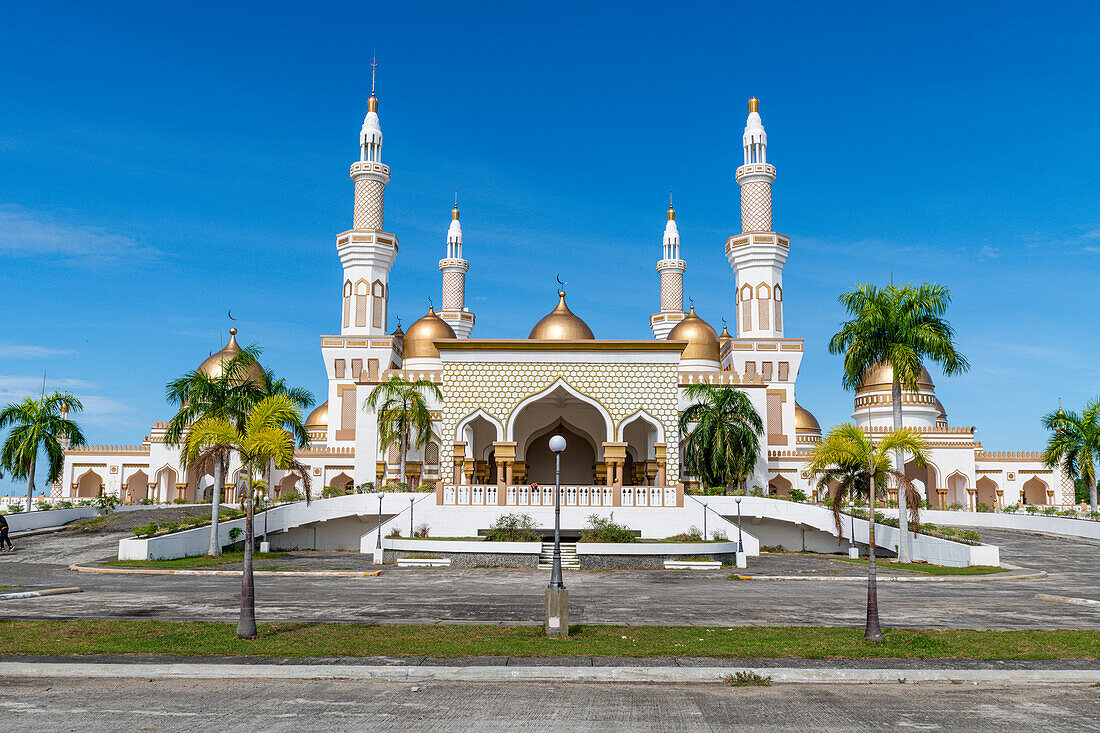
[{"x": 569, "y": 559}]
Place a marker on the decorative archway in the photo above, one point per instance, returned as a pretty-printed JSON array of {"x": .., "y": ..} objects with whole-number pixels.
[
  {"x": 987, "y": 491},
  {"x": 779, "y": 487},
  {"x": 479, "y": 430},
  {"x": 89, "y": 484},
  {"x": 563, "y": 397},
  {"x": 957, "y": 484},
  {"x": 288, "y": 485},
  {"x": 341, "y": 481},
  {"x": 924, "y": 480},
  {"x": 1034, "y": 491},
  {"x": 578, "y": 461},
  {"x": 166, "y": 484},
  {"x": 137, "y": 487},
  {"x": 640, "y": 432}
]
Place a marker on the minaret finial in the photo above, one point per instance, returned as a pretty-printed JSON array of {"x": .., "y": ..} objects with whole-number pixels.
[
  {"x": 373, "y": 68},
  {"x": 454, "y": 211},
  {"x": 431, "y": 305}
]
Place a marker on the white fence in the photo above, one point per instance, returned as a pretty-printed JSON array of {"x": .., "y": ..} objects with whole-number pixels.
[{"x": 584, "y": 496}]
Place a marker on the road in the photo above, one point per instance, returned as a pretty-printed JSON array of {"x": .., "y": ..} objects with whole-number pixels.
[
  {"x": 513, "y": 596},
  {"x": 212, "y": 705}
]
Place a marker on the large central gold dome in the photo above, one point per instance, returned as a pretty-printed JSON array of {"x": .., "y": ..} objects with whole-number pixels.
[
  {"x": 212, "y": 365},
  {"x": 701, "y": 337},
  {"x": 421, "y": 337},
  {"x": 561, "y": 324},
  {"x": 881, "y": 377}
]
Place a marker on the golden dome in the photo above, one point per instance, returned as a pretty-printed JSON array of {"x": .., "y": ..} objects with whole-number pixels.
[
  {"x": 881, "y": 377},
  {"x": 372, "y": 103},
  {"x": 939, "y": 406},
  {"x": 754, "y": 105},
  {"x": 454, "y": 213},
  {"x": 212, "y": 365},
  {"x": 420, "y": 338},
  {"x": 561, "y": 324},
  {"x": 724, "y": 337},
  {"x": 804, "y": 422},
  {"x": 671, "y": 213},
  {"x": 318, "y": 419},
  {"x": 702, "y": 339}
]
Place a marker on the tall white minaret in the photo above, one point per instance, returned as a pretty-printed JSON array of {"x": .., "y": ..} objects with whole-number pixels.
[
  {"x": 454, "y": 269},
  {"x": 757, "y": 254},
  {"x": 671, "y": 269},
  {"x": 366, "y": 252}
]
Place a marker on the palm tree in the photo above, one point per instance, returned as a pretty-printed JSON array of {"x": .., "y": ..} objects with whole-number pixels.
[
  {"x": 262, "y": 439},
  {"x": 229, "y": 396},
  {"x": 39, "y": 424},
  {"x": 903, "y": 327},
  {"x": 850, "y": 459},
  {"x": 404, "y": 419},
  {"x": 1075, "y": 443},
  {"x": 723, "y": 432},
  {"x": 272, "y": 386}
]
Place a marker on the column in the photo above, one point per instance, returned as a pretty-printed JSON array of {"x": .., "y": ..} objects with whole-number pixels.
[
  {"x": 660, "y": 455},
  {"x": 505, "y": 453},
  {"x": 942, "y": 494},
  {"x": 458, "y": 455},
  {"x": 972, "y": 499},
  {"x": 614, "y": 454}
]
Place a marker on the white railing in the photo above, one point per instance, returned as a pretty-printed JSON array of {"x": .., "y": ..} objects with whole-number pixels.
[{"x": 571, "y": 495}]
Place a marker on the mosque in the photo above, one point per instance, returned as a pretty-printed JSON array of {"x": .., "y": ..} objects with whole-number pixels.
[{"x": 615, "y": 400}]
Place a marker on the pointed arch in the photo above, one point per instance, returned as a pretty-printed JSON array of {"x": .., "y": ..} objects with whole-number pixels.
[
  {"x": 560, "y": 383},
  {"x": 347, "y": 303},
  {"x": 645, "y": 416},
  {"x": 362, "y": 294},
  {"x": 89, "y": 484},
  {"x": 473, "y": 416},
  {"x": 763, "y": 290},
  {"x": 378, "y": 307}
]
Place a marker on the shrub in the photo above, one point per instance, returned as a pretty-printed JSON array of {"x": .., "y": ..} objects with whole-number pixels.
[
  {"x": 956, "y": 507},
  {"x": 1012, "y": 508},
  {"x": 1050, "y": 511},
  {"x": 107, "y": 503},
  {"x": 604, "y": 529},
  {"x": 147, "y": 501},
  {"x": 1071, "y": 513},
  {"x": 236, "y": 533},
  {"x": 758, "y": 491},
  {"x": 426, "y": 486},
  {"x": 1031, "y": 508},
  {"x": 145, "y": 530},
  {"x": 797, "y": 495},
  {"x": 394, "y": 534},
  {"x": 366, "y": 487},
  {"x": 692, "y": 535},
  {"x": 719, "y": 535},
  {"x": 330, "y": 491},
  {"x": 43, "y": 506},
  {"x": 179, "y": 500},
  {"x": 15, "y": 508},
  {"x": 983, "y": 507},
  {"x": 84, "y": 502},
  {"x": 291, "y": 496},
  {"x": 421, "y": 531},
  {"x": 513, "y": 528},
  {"x": 171, "y": 526},
  {"x": 63, "y": 504}
]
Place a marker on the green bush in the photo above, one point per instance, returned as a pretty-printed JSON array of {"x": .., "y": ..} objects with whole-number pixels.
[
  {"x": 367, "y": 487},
  {"x": 15, "y": 508},
  {"x": 1012, "y": 508},
  {"x": 692, "y": 535},
  {"x": 956, "y": 507},
  {"x": 330, "y": 491},
  {"x": 236, "y": 533},
  {"x": 84, "y": 502},
  {"x": 63, "y": 504},
  {"x": 43, "y": 506},
  {"x": 797, "y": 495},
  {"x": 1050, "y": 511},
  {"x": 426, "y": 486},
  {"x": 1094, "y": 516},
  {"x": 290, "y": 496},
  {"x": 1031, "y": 508},
  {"x": 179, "y": 500},
  {"x": 604, "y": 529},
  {"x": 983, "y": 507},
  {"x": 1070, "y": 513},
  {"x": 145, "y": 530},
  {"x": 146, "y": 501},
  {"x": 513, "y": 528}
]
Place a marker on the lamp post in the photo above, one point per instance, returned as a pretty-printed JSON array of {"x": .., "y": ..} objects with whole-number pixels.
[
  {"x": 740, "y": 547},
  {"x": 378, "y": 547},
  {"x": 412, "y": 500},
  {"x": 557, "y": 597},
  {"x": 704, "y": 520},
  {"x": 853, "y": 551}
]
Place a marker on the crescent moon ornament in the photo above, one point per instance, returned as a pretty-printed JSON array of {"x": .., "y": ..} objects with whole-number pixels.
[
  {"x": 230, "y": 313},
  {"x": 558, "y": 278}
]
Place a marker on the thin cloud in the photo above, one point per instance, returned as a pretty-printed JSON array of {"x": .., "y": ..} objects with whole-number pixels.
[
  {"x": 988, "y": 252},
  {"x": 31, "y": 351},
  {"x": 24, "y": 232}
]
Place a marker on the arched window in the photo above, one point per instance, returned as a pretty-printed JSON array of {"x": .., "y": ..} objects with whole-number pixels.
[
  {"x": 361, "y": 303},
  {"x": 778, "y": 299},
  {"x": 431, "y": 454},
  {"x": 379, "y": 308},
  {"x": 347, "y": 303}
]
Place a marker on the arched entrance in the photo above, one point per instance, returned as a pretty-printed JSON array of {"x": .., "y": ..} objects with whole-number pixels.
[
  {"x": 640, "y": 432},
  {"x": 779, "y": 487},
  {"x": 137, "y": 487},
  {"x": 288, "y": 485},
  {"x": 1034, "y": 491},
  {"x": 924, "y": 481},
  {"x": 89, "y": 485},
  {"x": 479, "y": 432},
  {"x": 584, "y": 423},
  {"x": 987, "y": 491},
  {"x": 956, "y": 491},
  {"x": 341, "y": 481},
  {"x": 165, "y": 485}
]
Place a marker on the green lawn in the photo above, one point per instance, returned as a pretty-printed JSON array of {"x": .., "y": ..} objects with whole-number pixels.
[
  {"x": 189, "y": 638},
  {"x": 200, "y": 561},
  {"x": 918, "y": 567}
]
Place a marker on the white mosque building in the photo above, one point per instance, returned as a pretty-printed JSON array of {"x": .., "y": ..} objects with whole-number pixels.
[{"x": 615, "y": 400}]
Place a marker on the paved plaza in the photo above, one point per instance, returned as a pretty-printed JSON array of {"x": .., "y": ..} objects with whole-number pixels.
[
  {"x": 343, "y": 705},
  {"x": 514, "y": 596}
]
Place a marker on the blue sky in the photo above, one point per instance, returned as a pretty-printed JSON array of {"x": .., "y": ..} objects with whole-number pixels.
[{"x": 161, "y": 164}]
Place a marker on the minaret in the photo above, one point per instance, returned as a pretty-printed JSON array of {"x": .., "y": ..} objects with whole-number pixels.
[
  {"x": 757, "y": 254},
  {"x": 671, "y": 269},
  {"x": 454, "y": 269},
  {"x": 366, "y": 252}
]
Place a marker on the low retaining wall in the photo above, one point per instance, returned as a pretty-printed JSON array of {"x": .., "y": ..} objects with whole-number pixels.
[
  {"x": 51, "y": 518},
  {"x": 1000, "y": 520}
]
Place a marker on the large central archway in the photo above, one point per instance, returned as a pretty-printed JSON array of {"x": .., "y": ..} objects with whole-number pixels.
[{"x": 582, "y": 421}]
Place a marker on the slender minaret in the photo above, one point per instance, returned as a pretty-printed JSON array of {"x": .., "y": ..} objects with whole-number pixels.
[
  {"x": 366, "y": 252},
  {"x": 454, "y": 269},
  {"x": 671, "y": 269},
  {"x": 757, "y": 254}
]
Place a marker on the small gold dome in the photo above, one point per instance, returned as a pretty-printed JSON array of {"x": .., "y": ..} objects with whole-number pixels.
[
  {"x": 754, "y": 105},
  {"x": 724, "y": 337},
  {"x": 421, "y": 336},
  {"x": 318, "y": 419},
  {"x": 702, "y": 339},
  {"x": 561, "y": 324},
  {"x": 454, "y": 213},
  {"x": 804, "y": 421},
  {"x": 671, "y": 213},
  {"x": 881, "y": 377},
  {"x": 372, "y": 103},
  {"x": 939, "y": 406},
  {"x": 212, "y": 365}
]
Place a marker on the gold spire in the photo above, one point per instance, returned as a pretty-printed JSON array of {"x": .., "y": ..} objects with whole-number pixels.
[
  {"x": 454, "y": 211},
  {"x": 754, "y": 105},
  {"x": 372, "y": 103},
  {"x": 671, "y": 211}
]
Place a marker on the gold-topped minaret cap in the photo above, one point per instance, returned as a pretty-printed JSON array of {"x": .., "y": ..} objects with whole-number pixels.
[
  {"x": 671, "y": 213},
  {"x": 454, "y": 211},
  {"x": 754, "y": 104},
  {"x": 372, "y": 103}
]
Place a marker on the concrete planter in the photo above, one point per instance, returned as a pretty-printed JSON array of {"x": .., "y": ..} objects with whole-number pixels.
[
  {"x": 692, "y": 565},
  {"x": 423, "y": 562}
]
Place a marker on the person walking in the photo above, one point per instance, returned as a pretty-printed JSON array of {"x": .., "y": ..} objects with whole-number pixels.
[{"x": 4, "y": 539}]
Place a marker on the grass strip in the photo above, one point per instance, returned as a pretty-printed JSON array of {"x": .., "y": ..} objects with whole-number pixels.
[
  {"x": 200, "y": 561},
  {"x": 919, "y": 567},
  {"x": 293, "y": 640}
]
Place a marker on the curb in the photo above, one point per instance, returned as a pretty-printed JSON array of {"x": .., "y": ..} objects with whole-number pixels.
[
  {"x": 900, "y": 578},
  {"x": 185, "y": 571},
  {"x": 679, "y": 675},
  {"x": 1064, "y": 599},
  {"x": 38, "y": 593}
]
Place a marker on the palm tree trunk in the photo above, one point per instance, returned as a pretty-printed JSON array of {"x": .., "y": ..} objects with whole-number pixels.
[
  {"x": 246, "y": 627},
  {"x": 873, "y": 632},
  {"x": 215, "y": 548},
  {"x": 904, "y": 554},
  {"x": 30, "y": 483},
  {"x": 1092, "y": 495}
]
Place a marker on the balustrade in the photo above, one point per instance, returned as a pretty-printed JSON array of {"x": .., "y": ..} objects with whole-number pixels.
[{"x": 572, "y": 495}]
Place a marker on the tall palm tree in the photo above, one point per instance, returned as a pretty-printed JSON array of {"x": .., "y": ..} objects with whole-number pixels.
[
  {"x": 849, "y": 458},
  {"x": 272, "y": 386},
  {"x": 723, "y": 432},
  {"x": 262, "y": 439},
  {"x": 229, "y": 396},
  {"x": 1075, "y": 443},
  {"x": 39, "y": 424},
  {"x": 404, "y": 419},
  {"x": 903, "y": 327}
]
